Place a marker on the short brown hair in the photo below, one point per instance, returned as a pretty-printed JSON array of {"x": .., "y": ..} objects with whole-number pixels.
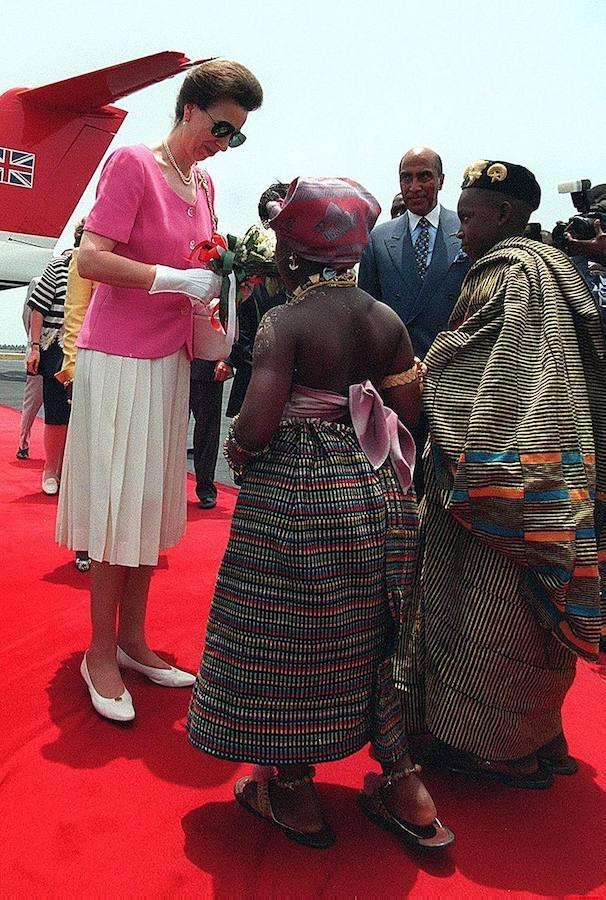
[{"x": 219, "y": 79}]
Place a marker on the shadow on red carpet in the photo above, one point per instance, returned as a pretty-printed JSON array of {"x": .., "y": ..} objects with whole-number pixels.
[{"x": 95, "y": 809}]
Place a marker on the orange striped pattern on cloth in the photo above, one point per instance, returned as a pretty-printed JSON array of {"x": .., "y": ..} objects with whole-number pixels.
[{"x": 526, "y": 437}]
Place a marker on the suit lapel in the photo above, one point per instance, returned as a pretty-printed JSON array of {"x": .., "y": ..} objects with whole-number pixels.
[
  {"x": 444, "y": 251},
  {"x": 401, "y": 252},
  {"x": 449, "y": 224},
  {"x": 438, "y": 266}
]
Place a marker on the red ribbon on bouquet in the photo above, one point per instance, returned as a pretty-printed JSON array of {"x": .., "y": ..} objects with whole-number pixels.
[
  {"x": 225, "y": 256},
  {"x": 205, "y": 251}
]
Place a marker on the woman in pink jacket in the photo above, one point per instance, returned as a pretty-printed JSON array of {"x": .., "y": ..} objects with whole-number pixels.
[{"x": 123, "y": 486}]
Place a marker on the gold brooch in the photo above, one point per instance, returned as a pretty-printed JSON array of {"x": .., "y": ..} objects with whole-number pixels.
[
  {"x": 474, "y": 171},
  {"x": 497, "y": 172}
]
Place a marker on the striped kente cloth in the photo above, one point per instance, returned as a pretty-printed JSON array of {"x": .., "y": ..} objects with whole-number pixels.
[
  {"x": 315, "y": 580},
  {"x": 516, "y": 401},
  {"x": 476, "y": 668}
]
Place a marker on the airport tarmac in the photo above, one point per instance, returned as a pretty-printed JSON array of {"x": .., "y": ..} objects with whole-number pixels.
[{"x": 12, "y": 377}]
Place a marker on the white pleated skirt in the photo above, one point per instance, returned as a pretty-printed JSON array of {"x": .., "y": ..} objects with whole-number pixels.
[{"x": 123, "y": 485}]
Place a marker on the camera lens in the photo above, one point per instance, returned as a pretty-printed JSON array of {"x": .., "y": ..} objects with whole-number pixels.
[{"x": 581, "y": 228}]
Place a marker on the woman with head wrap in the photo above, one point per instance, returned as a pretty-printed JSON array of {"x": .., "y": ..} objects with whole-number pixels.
[{"x": 318, "y": 570}]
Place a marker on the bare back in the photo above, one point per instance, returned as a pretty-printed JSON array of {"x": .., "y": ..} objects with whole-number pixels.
[
  {"x": 342, "y": 336},
  {"x": 329, "y": 339}
]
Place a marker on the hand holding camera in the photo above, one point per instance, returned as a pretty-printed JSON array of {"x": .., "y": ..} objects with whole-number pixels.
[
  {"x": 593, "y": 249},
  {"x": 584, "y": 233}
]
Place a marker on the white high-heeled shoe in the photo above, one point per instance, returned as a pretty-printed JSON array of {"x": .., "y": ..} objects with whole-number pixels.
[
  {"x": 172, "y": 677},
  {"x": 120, "y": 709},
  {"x": 50, "y": 485}
]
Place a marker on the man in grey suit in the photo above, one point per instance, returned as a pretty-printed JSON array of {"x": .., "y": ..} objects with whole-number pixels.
[{"x": 407, "y": 260}]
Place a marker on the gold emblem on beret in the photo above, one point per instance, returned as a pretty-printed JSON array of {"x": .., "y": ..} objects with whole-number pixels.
[
  {"x": 497, "y": 172},
  {"x": 474, "y": 171}
]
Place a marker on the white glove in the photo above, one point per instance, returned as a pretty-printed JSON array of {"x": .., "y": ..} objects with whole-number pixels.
[{"x": 201, "y": 284}]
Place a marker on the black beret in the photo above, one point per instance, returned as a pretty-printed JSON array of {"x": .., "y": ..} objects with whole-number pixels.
[{"x": 503, "y": 178}]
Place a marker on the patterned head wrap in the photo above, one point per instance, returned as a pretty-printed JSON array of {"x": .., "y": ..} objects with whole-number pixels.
[{"x": 325, "y": 220}]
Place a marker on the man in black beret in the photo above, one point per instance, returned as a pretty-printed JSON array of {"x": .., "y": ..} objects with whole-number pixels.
[
  {"x": 508, "y": 593},
  {"x": 496, "y": 202}
]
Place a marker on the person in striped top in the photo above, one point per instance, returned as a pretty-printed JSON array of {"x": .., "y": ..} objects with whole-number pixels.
[
  {"x": 45, "y": 358},
  {"x": 32, "y": 392},
  {"x": 508, "y": 594}
]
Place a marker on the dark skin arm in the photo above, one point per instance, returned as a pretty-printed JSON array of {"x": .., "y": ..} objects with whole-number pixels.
[
  {"x": 404, "y": 399},
  {"x": 270, "y": 383},
  {"x": 595, "y": 249}
]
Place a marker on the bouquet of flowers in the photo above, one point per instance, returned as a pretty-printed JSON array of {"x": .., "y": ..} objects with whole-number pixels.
[{"x": 251, "y": 259}]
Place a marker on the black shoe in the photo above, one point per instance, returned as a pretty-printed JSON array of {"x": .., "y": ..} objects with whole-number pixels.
[
  {"x": 207, "y": 502},
  {"x": 22, "y": 453}
]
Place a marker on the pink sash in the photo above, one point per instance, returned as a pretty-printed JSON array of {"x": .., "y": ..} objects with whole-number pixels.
[{"x": 377, "y": 427}]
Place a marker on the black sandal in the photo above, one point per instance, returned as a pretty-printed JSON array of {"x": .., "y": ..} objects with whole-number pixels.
[
  {"x": 564, "y": 764},
  {"x": 441, "y": 755},
  {"x": 318, "y": 840},
  {"x": 485, "y": 769},
  {"x": 429, "y": 838},
  {"x": 569, "y": 766}
]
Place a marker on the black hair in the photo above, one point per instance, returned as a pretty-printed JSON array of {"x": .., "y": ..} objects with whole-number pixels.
[{"x": 276, "y": 191}]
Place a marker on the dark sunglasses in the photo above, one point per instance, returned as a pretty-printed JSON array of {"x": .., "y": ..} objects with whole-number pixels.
[{"x": 225, "y": 129}]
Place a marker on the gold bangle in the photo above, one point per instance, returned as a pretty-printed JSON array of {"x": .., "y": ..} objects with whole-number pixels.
[{"x": 415, "y": 373}]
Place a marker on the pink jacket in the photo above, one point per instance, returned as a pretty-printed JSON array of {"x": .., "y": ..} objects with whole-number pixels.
[{"x": 136, "y": 207}]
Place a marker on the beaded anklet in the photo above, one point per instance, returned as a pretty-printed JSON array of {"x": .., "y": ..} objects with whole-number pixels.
[
  {"x": 400, "y": 774},
  {"x": 297, "y": 782}
]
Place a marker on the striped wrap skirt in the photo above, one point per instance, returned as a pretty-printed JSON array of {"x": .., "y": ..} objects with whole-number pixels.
[
  {"x": 123, "y": 485},
  {"x": 475, "y": 667},
  {"x": 307, "y": 608}
]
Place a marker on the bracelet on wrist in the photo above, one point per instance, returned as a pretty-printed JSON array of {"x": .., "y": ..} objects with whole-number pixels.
[
  {"x": 34, "y": 343},
  {"x": 231, "y": 443}
]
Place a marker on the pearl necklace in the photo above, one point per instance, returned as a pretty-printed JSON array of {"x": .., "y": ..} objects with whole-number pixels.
[
  {"x": 345, "y": 279},
  {"x": 186, "y": 179}
]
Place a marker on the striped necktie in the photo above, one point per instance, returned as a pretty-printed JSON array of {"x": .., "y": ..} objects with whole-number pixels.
[{"x": 422, "y": 247}]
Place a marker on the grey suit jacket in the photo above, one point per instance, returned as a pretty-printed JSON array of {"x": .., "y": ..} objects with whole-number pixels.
[{"x": 388, "y": 272}]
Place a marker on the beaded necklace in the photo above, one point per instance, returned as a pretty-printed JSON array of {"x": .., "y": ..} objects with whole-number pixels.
[
  {"x": 344, "y": 280},
  {"x": 186, "y": 179}
]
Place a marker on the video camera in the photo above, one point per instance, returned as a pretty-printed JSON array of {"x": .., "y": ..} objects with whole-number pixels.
[{"x": 590, "y": 203}]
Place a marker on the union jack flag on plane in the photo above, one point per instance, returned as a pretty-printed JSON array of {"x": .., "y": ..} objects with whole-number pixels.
[{"x": 17, "y": 167}]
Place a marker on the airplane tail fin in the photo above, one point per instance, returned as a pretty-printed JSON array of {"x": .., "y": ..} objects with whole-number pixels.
[
  {"x": 53, "y": 137},
  {"x": 96, "y": 89}
]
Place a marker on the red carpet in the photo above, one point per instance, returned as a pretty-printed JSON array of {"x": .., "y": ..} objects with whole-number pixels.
[{"x": 90, "y": 809}]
